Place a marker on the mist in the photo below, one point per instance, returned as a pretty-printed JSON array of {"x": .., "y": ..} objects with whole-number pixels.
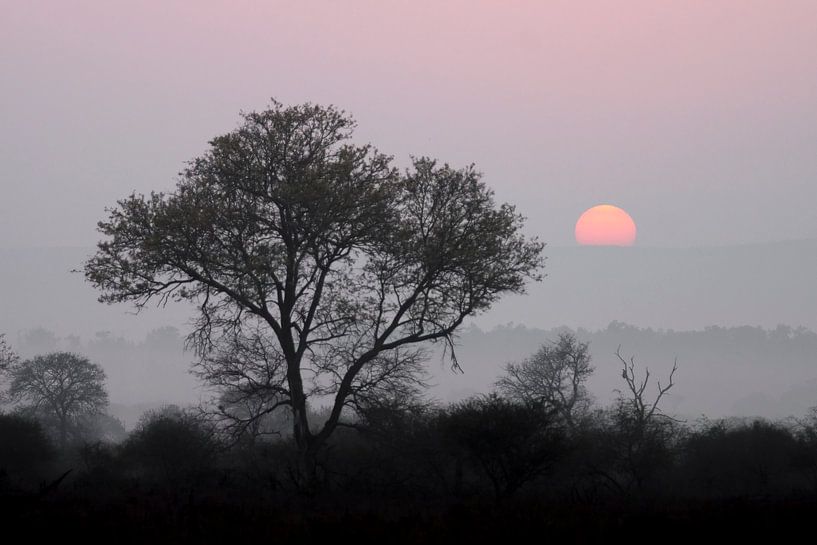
[
  {"x": 725, "y": 313},
  {"x": 325, "y": 270}
]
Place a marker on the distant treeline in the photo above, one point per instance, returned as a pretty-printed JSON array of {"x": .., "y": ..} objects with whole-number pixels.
[{"x": 724, "y": 371}]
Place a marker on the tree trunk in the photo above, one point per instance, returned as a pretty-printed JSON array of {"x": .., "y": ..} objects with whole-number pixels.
[
  {"x": 306, "y": 471},
  {"x": 63, "y": 432}
]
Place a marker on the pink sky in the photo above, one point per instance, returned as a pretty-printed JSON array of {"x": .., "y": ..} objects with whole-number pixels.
[{"x": 698, "y": 118}]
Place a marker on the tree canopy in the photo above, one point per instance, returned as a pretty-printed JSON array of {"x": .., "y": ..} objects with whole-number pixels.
[
  {"x": 553, "y": 376},
  {"x": 297, "y": 243},
  {"x": 59, "y": 387}
]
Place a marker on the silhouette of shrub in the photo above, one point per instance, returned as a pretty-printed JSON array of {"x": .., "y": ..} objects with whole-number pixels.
[
  {"x": 740, "y": 459},
  {"x": 24, "y": 451},
  {"x": 394, "y": 451},
  {"x": 806, "y": 458},
  {"x": 169, "y": 444},
  {"x": 510, "y": 443}
]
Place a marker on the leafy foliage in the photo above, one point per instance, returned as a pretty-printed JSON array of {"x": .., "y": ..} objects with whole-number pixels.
[
  {"x": 289, "y": 237},
  {"x": 511, "y": 443}
]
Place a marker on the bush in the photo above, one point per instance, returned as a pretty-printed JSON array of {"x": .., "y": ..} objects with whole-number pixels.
[
  {"x": 740, "y": 459},
  {"x": 170, "y": 444},
  {"x": 510, "y": 443},
  {"x": 24, "y": 451}
]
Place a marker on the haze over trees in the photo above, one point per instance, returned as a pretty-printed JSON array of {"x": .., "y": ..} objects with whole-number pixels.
[
  {"x": 59, "y": 388},
  {"x": 736, "y": 371},
  {"x": 324, "y": 280},
  {"x": 287, "y": 231},
  {"x": 309, "y": 340},
  {"x": 507, "y": 459}
]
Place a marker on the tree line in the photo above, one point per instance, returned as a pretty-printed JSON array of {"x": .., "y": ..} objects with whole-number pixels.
[{"x": 538, "y": 432}]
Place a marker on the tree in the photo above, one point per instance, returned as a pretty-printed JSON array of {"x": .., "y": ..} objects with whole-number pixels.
[
  {"x": 60, "y": 388},
  {"x": 285, "y": 233},
  {"x": 248, "y": 376},
  {"x": 7, "y": 359},
  {"x": 642, "y": 410},
  {"x": 554, "y": 376},
  {"x": 641, "y": 430},
  {"x": 511, "y": 443}
]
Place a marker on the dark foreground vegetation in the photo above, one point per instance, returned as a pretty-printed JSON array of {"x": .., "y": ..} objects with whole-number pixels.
[
  {"x": 534, "y": 457},
  {"x": 483, "y": 470}
]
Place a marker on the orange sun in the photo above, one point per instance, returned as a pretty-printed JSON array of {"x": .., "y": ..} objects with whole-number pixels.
[{"x": 605, "y": 225}]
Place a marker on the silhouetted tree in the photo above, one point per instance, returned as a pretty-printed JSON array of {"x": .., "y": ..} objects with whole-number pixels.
[
  {"x": 59, "y": 388},
  {"x": 642, "y": 409},
  {"x": 286, "y": 229},
  {"x": 248, "y": 374},
  {"x": 641, "y": 432},
  {"x": 7, "y": 359},
  {"x": 554, "y": 376}
]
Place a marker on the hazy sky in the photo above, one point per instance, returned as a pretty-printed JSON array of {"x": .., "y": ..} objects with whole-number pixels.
[{"x": 698, "y": 118}]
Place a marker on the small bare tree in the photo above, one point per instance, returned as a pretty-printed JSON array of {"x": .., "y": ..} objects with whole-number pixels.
[
  {"x": 642, "y": 410},
  {"x": 642, "y": 431},
  {"x": 554, "y": 376}
]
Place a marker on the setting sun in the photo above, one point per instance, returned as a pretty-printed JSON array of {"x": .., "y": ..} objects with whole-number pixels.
[{"x": 605, "y": 225}]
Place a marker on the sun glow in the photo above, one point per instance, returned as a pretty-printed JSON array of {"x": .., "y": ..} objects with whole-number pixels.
[{"x": 605, "y": 225}]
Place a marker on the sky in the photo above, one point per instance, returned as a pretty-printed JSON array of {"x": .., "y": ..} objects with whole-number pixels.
[{"x": 698, "y": 118}]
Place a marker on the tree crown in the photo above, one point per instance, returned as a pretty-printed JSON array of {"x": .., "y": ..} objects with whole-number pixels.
[
  {"x": 62, "y": 384},
  {"x": 288, "y": 236},
  {"x": 554, "y": 376}
]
